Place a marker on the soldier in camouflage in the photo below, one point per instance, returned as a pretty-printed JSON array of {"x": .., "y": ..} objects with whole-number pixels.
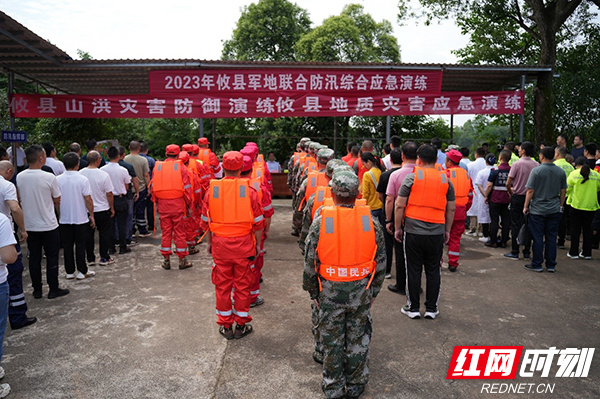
[
  {"x": 344, "y": 307},
  {"x": 297, "y": 215}
]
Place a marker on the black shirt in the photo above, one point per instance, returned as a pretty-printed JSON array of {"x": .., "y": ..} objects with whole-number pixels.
[{"x": 382, "y": 186}]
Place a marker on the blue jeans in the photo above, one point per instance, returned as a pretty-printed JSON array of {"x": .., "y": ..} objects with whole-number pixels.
[
  {"x": 544, "y": 228},
  {"x": 3, "y": 314}
]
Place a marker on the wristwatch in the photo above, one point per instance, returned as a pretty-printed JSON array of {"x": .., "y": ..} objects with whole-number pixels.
[{"x": 389, "y": 221}]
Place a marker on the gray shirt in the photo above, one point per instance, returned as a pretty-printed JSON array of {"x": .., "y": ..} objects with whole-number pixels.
[
  {"x": 547, "y": 180},
  {"x": 420, "y": 227}
]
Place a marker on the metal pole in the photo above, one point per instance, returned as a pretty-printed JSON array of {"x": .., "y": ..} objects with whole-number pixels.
[
  {"x": 12, "y": 120},
  {"x": 334, "y": 134},
  {"x": 451, "y": 128},
  {"x": 214, "y": 129},
  {"x": 201, "y": 127},
  {"x": 388, "y": 128},
  {"x": 522, "y": 119}
]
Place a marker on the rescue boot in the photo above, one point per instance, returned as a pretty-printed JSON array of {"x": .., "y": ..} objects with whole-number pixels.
[
  {"x": 166, "y": 263},
  {"x": 192, "y": 250},
  {"x": 184, "y": 263}
]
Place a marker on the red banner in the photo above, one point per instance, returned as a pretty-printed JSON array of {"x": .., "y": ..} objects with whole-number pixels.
[
  {"x": 262, "y": 105},
  {"x": 295, "y": 82}
]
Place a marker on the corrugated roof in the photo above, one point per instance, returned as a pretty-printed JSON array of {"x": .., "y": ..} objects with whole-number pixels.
[{"x": 34, "y": 59}]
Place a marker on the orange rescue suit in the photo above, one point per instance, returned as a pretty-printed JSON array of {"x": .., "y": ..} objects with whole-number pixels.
[
  {"x": 167, "y": 182},
  {"x": 347, "y": 245},
  {"x": 427, "y": 199},
  {"x": 229, "y": 208},
  {"x": 462, "y": 186}
]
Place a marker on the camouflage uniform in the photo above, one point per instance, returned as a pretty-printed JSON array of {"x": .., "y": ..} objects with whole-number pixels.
[
  {"x": 297, "y": 200},
  {"x": 344, "y": 319}
]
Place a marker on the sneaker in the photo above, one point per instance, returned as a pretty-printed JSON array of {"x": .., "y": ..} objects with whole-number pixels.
[
  {"x": 242, "y": 331},
  {"x": 37, "y": 294},
  {"x": 144, "y": 235},
  {"x": 192, "y": 250},
  {"x": 510, "y": 255},
  {"x": 412, "y": 314},
  {"x": 259, "y": 301},
  {"x": 561, "y": 246},
  {"x": 91, "y": 263},
  {"x": 431, "y": 315},
  {"x": 490, "y": 244},
  {"x": 551, "y": 270},
  {"x": 4, "y": 390},
  {"x": 125, "y": 250},
  {"x": 484, "y": 239},
  {"x": 133, "y": 243},
  {"x": 396, "y": 289},
  {"x": 226, "y": 332},
  {"x": 526, "y": 256},
  {"x": 57, "y": 293},
  {"x": 112, "y": 251},
  {"x": 70, "y": 276},
  {"x": 452, "y": 268},
  {"x": 166, "y": 264},
  {"x": 81, "y": 276},
  {"x": 2, "y": 372},
  {"x": 533, "y": 268},
  {"x": 584, "y": 257},
  {"x": 388, "y": 275},
  {"x": 184, "y": 263},
  {"x": 572, "y": 256},
  {"x": 104, "y": 262}
]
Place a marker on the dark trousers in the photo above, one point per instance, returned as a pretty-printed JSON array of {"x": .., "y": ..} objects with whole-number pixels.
[
  {"x": 150, "y": 212},
  {"x": 139, "y": 212},
  {"x": 544, "y": 229},
  {"x": 499, "y": 213},
  {"x": 581, "y": 221},
  {"x": 103, "y": 225},
  {"x": 120, "y": 221},
  {"x": 565, "y": 225},
  {"x": 74, "y": 235},
  {"x": 50, "y": 242},
  {"x": 517, "y": 202},
  {"x": 423, "y": 252},
  {"x": 393, "y": 247},
  {"x": 17, "y": 307}
]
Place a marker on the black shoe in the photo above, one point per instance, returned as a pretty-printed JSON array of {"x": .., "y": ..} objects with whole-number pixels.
[
  {"x": 317, "y": 357},
  {"x": 491, "y": 244},
  {"x": 295, "y": 234},
  {"x": 29, "y": 321},
  {"x": 394, "y": 288},
  {"x": 124, "y": 251},
  {"x": 532, "y": 268},
  {"x": 57, "y": 293},
  {"x": 355, "y": 391},
  {"x": 453, "y": 268},
  {"x": 261, "y": 280},
  {"x": 112, "y": 251},
  {"x": 242, "y": 331},
  {"x": 37, "y": 294},
  {"x": 259, "y": 301}
]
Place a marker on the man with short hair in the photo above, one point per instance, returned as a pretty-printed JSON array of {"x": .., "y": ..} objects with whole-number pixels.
[
  {"x": 76, "y": 148},
  {"x": 140, "y": 164},
  {"x": 516, "y": 187},
  {"x": 132, "y": 194},
  {"x": 208, "y": 157},
  {"x": 441, "y": 157},
  {"x": 57, "y": 166},
  {"x": 546, "y": 188},
  {"x": 104, "y": 211},
  {"x": 151, "y": 163},
  {"x": 354, "y": 155},
  {"x": 497, "y": 197},
  {"x": 391, "y": 246},
  {"x": 346, "y": 158},
  {"x": 578, "y": 147},
  {"x": 120, "y": 180},
  {"x": 76, "y": 217},
  {"x": 91, "y": 145},
  {"x": 272, "y": 164},
  {"x": 40, "y": 199},
  {"x": 465, "y": 161},
  {"x": 561, "y": 141},
  {"x": 21, "y": 159},
  {"x": 510, "y": 147},
  {"x": 9, "y": 207}
]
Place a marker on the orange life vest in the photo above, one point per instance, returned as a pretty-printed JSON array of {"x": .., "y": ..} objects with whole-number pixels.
[
  {"x": 258, "y": 172},
  {"x": 314, "y": 180},
  {"x": 310, "y": 166},
  {"x": 256, "y": 183},
  {"x": 322, "y": 193},
  {"x": 260, "y": 158},
  {"x": 461, "y": 182},
  {"x": 439, "y": 167},
  {"x": 229, "y": 208},
  {"x": 204, "y": 157},
  {"x": 427, "y": 200},
  {"x": 346, "y": 246},
  {"x": 297, "y": 156},
  {"x": 359, "y": 201},
  {"x": 167, "y": 182}
]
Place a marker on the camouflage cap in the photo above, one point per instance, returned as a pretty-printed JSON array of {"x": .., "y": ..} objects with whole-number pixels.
[
  {"x": 304, "y": 139},
  {"x": 324, "y": 155},
  {"x": 344, "y": 184},
  {"x": 332, "y": 165}
]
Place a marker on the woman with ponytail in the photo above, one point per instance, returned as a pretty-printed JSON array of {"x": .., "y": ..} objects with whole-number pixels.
[{"x": 583, "y": 185}]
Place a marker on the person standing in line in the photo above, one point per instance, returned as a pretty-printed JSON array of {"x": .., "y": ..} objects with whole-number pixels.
[
  {"x": 132, "y": 195},
  {"x": 92, "y": 145},
  {"x": 441, "y": 157},
  {"x": 149, "y": 206},
  {"x": 208, "y": 157},
  {"x": 8, "y": 254},
  {"x": 9, "y": 207},
  {"x": 57, "y": 166},
  {"x": 496, "y": 196},
  {"x": 120, "y": 180},
  {"x": 40, "y": 200},
  {"x": 473, "y": 169},
  {"x": 359, "y": 167},
  {"x": 546, "y": 188},
  {"x": 560, "y": 154},
  {"x": 516, "y": 188},
  {"x": 344, "y": 268},
  {"x": 465, "y": 161},
  {"x": 589, "y": 152},
  {"x": 480, "y": 184},
  {"x": 21, "y": 159},
  {"x": 346, "y": 158},
  {"x": 424, "y": 214},
  {"x": 76, "y": 217},
  {"x": 232, "y": 212},
  {"x": 578, "y": 147},
  {"x": 583, "y": 185},
  {"x": 76, "y": 148},
  {"x": 142, "y": 171},
  {"x": 369, "y": 186},
  {"x": 103, "y": 199},
  {"x": 409, "y": 163}
]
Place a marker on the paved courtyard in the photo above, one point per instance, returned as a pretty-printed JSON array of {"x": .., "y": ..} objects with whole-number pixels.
[{"x": 138, "y": 331}]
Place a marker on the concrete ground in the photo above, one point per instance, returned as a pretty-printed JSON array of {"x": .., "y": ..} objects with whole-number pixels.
[{"x": 138, "y": 331}]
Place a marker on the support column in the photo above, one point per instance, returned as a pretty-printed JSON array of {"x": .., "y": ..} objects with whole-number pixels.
[
  {"x": 388, "y": 128},
  {"x": 13, "y": 145},
  {"x": 522, "y": 119},
  {"x": 201, "y": 127}
]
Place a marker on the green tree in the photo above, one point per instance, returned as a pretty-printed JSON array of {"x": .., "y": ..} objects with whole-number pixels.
[
  {"x": 520, "y": 24},
  {"x": 267, "y": 31}
]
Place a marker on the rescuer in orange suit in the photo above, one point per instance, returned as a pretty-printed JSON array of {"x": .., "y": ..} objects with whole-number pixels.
[
  {"x": 234, "y": 215},
  {"x": 267, "y": 206},
  {"x": 463, "y": 192},
  {"x": 262, "y": 164},
  {"x": 190, "y": 222},
  {"x": 172, "y": 193},
  {"x": 208, "y": 157}
]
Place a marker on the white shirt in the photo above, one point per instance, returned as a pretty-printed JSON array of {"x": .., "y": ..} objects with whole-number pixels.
[
  {"x": 20, "y": 155},
  {"x": 474, "y": 168},
  {"x": 8, "y": 192},
  {"x": 37, "y": 189},
  {"x": 274, "y": 167},
  {"x": 100, "y": 184},
  {"x": 74, "y": 187},
  {"x": 57, "y": 166},
  {"x": 387, "y": 161},
  {"x": 119, "y": 176},
  {"x": 6, "y": 238},
  {"x": 483, "y": 213}
]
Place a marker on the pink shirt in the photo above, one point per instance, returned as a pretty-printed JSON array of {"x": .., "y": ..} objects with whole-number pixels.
[
  {"x": 397, "y": 178},
  {"x": 519, "y": 172}
]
